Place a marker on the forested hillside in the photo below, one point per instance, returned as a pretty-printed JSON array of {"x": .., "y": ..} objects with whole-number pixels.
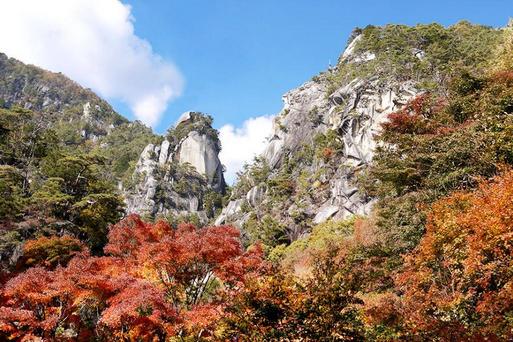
[
  {"x": 381, "y": 210},
  {"x": 68, "y": 163}
]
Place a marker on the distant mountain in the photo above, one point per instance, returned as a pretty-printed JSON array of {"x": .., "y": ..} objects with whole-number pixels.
[{"x": 64, "y": 100}]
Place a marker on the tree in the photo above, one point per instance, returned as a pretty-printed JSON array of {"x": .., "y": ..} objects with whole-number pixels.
[
  {"x": 50, "y": 252},
  {"x": 51, "y": 199},
  {"x": 94, "y": 213},
  {"x": 155, "y": 283},
  {"x": 457, "y": 284},
  {"x": 322, "y": 306},
  {"x": 11, "y": 195},
  {"x": 435, "y": 145},
  {"x": 78, "y": 191}
]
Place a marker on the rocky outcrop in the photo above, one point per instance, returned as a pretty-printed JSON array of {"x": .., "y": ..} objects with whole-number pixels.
[
  {"x": 256, "y": 195},
  {"x": 324, "y": 187},
  {"x": 174, "y": 176},
  {"x": 230, "y": 211},
  {"x": 202, "y": 153}
]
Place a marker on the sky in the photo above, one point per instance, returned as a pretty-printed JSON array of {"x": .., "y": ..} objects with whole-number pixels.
[{"x": 233, "y": 59}]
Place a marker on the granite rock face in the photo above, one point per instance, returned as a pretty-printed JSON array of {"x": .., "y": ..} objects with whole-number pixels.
[
  {"x": 353, "y": 113},
  {"x": 174, "y": 176},
  {"x": 202, "y": 153}
]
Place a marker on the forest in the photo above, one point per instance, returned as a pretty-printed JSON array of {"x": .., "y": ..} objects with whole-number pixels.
[{"x": 432, "y": 262}]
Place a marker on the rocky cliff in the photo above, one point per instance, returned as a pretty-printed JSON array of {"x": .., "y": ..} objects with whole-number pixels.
[
  {"x": 321, "y": 140},
  {"x": 176, "y": 176},
  {"x": 172, "y": 175}
]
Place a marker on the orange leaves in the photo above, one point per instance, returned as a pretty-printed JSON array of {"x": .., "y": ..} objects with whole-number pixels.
[
  {"x": 50, "y": 252},
  {"x": 28, "y": 302},
  {"x": 327, "y": 153},
  {"x": 186, "y": 255},
  {"x": 201, "y": 320},
  {"x": 12, "y": 321},
  {"x": 29, "y": 289},
  {"x": 383, "y": 309},
  {"x": 460, "y": 274},
  {"x": 505, "y": 77}
]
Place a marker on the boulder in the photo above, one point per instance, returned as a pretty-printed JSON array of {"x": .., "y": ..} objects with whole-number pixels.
[
  {"x": 230, "y": 210},
  {"x": 202, "y": 153},
  {"x": 325, "y": 213},
  {"x": 164, "y": 150},
  {"x": 184, "y": 118},
  {"x": 256, "y": 195}
]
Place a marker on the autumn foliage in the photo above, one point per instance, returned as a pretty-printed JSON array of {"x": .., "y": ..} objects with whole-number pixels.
[
  {"x": 432, "y": 262},
  {"x": 323, "y": 306},
  {"x": 457, "y": 284},
  {"x": 154, "y": 282},
  {"x": 50, "y": 252},
  {"x": 413, "y": 118}
]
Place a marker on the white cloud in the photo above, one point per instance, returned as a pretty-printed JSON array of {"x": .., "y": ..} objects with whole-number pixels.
[
  {"x": 94, "y": 43},
  {"x": 241, "y": 145}
]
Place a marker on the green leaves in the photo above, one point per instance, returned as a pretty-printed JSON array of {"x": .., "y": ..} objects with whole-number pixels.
[
  {"x": 94, "y": 213},
  {"x": 11, "y": 195},
  {"x": 428, "y": 54},
  {"x": 51, "y": 198}
]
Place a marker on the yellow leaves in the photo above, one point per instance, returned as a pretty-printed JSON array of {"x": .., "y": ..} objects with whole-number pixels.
[{"x": 504, "y": 51}]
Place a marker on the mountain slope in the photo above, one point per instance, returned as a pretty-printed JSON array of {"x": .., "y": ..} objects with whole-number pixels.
[
  {"x": 42, "y": 91},
  {"x": 69, "y": 164},
  {"x": 412, "y": 132},
  {"x": 324, "y": 137}
]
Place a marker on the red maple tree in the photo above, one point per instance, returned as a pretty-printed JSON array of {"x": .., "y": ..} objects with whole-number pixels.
[{"x": 154, "y": 282}]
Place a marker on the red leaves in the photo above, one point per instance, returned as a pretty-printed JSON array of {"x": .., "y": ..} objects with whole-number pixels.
[
  {"x": 156, "y": 282},
  {"x": 29, "y": 303},
  {"x": 412, "y": 118},
  {"x": 139, "y": 306},
  {"x": 126, "y": 236},
  {"x": 243, "y": 267},
  {"x": 14, "y": 320},
  {"x": 419, "y": 117},
  {"x": 29, "y": 289},
  {"x": 404, "y": 123}
]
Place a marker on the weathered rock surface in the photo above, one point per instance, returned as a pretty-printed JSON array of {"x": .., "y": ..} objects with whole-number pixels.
[
  {"x": 174, "y": 176},
  {"x": 355, "y": 112},
  {"x": 202, "y": 153},
  {"x": 233, "y": 208},
  {"x": 256, "y": 195}
]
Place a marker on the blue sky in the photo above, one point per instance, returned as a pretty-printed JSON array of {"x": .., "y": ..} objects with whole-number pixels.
[
  {"x": 239, "y": 57},
  {"x": 233, "y": 59}
]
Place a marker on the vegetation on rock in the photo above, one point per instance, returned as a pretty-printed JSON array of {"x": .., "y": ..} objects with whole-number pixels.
[{"x": 432, "y": 261}]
